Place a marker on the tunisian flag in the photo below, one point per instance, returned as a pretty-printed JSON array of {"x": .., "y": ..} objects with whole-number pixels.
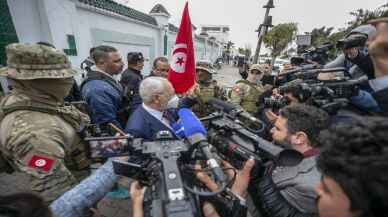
[{"x": 182, "y": 70}]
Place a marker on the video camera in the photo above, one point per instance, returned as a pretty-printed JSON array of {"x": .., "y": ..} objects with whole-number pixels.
[
  {"x": 157, "y": 164},
  {"x": 318, "y": 54},
  {"x": 276, "y": 102},
  {"x": 329, "y": 95},
  {"x": 352, "y": 41},
  {"x": 236, "y": 143},
  {"x": 166, "y": 165}
]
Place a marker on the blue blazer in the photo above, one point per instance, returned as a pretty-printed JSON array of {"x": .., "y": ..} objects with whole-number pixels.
[{"x": 142, "y": 124}]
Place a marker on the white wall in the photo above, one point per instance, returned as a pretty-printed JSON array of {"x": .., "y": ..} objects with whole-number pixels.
[
  {"x": 52, "y": 20},
  {"x": 90, "y": 20},
  {"x": 28, "y": 20}
]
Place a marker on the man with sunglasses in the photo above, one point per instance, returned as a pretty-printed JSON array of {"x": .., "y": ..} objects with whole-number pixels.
[{"x": 246, "y": 92}]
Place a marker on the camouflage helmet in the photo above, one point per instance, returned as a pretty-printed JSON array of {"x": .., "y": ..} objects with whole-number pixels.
[
  {"x": 33, "y": 61},
  {"x": 258, "y": 67}
]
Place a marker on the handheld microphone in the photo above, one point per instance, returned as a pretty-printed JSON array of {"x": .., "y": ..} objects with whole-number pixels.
[
  {"x": 234, "y": 111},
  {"x": 178, "y": 129},
  {"x": 195, "y": 133}
]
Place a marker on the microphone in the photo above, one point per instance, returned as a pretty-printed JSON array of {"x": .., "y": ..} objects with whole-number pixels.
[
  {"x": 178, "y": 129},
  {"x": 233, "y": 110},
  {"x": 195, "y": 133}
]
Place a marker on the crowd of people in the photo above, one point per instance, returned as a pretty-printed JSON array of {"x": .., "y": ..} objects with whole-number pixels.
[{"x": 343, "y": 154}]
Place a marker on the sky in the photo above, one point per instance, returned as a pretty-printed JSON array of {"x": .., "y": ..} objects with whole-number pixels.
[{"x": 244, "y": 16}]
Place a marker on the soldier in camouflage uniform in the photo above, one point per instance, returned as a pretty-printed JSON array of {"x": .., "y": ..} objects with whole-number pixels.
[
  {"x": 246, "y": 93},
  {"x": 38, "y": 133},
  {"x": 205, "y": 90}
]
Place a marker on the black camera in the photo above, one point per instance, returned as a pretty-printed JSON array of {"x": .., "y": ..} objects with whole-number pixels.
[
  {"x": 277, "y": 102},
  {"x": 157, "y": 164},
  {"x": 319, "y": 54}
]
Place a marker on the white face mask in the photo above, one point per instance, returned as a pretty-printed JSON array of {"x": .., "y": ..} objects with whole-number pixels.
[{"x": 173, "y": 102}]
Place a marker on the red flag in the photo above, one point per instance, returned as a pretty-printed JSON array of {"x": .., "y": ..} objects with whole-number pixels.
[
  {"x": 41, "y": 162},
  {"x": 182, "y": 70}
]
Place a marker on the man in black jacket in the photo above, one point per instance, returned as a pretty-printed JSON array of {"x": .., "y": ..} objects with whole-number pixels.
[
  {"x": 131, "y": 78},
  {"x": 378, "y": 48}
]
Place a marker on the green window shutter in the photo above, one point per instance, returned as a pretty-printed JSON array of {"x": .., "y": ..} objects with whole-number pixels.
[
  {"x": 72, "y": 50},
  {"x": 7, "y": 30}
]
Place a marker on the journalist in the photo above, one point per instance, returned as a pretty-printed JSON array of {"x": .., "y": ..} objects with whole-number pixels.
[
  {"x": 355, "y": 57},
  {"x": 357, "y": 60},
  {"x": 287, "y": 190},
  {"x": 353, "y": 162},
  {"x": 378, "y": 48}
]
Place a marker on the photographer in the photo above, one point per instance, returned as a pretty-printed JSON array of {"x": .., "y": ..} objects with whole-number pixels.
[
  {"x": 287, "y": 190},
  {"x": 355, "y": 57},
  {"x": 353, "y": 162},
  {"x": 358, "y": 62}
]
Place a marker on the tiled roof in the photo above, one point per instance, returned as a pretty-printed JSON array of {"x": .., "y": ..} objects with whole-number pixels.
[
  {"x": 113, "y": 6},
  {"x": 159, "y": 9}
]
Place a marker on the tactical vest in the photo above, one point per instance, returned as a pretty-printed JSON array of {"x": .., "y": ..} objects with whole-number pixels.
[
  {"x": 249, "y": 101},
  {"x": 76, "y": 156},
  {"x": 204, "y": 94}
]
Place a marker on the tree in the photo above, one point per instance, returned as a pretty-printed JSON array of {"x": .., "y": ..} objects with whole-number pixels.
[
  {"x": 241, "y": 50},
  {"x": 247, "y": 51},
  {"x": 279, "y": 37},
  {"x": 359, "y": 17},
  {"x": 362, "y": 16},
  {"x": 320, "y": 35}
]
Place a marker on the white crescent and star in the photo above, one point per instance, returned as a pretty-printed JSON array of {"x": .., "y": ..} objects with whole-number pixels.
[
  {"x": 40, "y": 163},
  {"x": 179, "y": 58}
]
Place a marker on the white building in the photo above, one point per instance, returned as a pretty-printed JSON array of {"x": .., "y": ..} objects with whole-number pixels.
[
  {"x": 75, "y": 26},
  {"x": 219, "y": 32}
]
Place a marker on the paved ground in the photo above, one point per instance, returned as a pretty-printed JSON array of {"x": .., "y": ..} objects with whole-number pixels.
[
  {"x": 16, "y": 182},
  {"x": 227, "y": 76}
]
